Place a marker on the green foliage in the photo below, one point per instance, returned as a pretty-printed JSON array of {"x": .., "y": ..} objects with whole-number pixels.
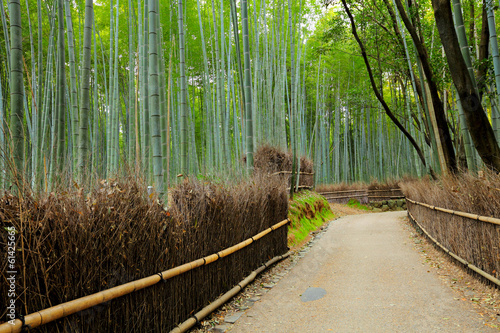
[
  {"x": 308, "y": 211},
  {"x": 356, "y": 204}
]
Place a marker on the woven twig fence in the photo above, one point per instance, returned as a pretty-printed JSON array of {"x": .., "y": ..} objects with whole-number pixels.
[
  {"x": 381, "y": 195},
  {"x": 45, "y": 316},
  {"x": 306, "y": 179},
  {"x": 344, "y": 196},
  {"x": 472, "y": 239},
  {"x": 363, "y": 196}
]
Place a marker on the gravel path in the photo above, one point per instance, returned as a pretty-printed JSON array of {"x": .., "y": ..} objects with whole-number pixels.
[{"x": 362, "y": 275}]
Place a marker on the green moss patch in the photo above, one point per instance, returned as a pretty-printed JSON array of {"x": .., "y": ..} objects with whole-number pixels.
[
  {"x": 308, "y": 211},
  {"x": 353, "y": 203}
]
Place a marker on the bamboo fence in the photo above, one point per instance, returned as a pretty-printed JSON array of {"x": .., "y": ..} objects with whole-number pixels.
[
  {"x": 363, "y": 196},
  {"x": 469, "y": 238},
  {"x": 53, "y": 313}
]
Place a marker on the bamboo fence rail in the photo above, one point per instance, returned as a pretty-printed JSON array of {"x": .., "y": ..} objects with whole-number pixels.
[
  {"x": 446, "y": 250},
  {"x": 45, "y": 316},
  {"x": 227, "y": 296},
  {"x": 486, "y": 219},
  {"x": 363, "y": 195}
]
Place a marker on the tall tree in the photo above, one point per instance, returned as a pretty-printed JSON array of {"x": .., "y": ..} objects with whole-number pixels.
[
  {"x": 184, "y": 110},
  {"x": 83, "y": 145},
  {"x": 248, "y": 85},
  {"x": 16, "y": 84},
  {"x": 377, "y": 92},
  {"x": 154, "y": 97},
  {"x": 477, "y": 121},
  {"x": 443, "y": 133}
]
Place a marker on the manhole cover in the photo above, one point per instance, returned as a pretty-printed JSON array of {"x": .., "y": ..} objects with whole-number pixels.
[{"x": 312, "y": 294}]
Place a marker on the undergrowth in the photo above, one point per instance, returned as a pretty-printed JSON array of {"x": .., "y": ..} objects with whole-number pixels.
[
  {"x": 353, "y": 203},
  {"x": 308, "y": 211}
]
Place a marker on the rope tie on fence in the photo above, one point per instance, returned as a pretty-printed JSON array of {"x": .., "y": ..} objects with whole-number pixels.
[
  {"x": 161, "y": 277},
  {"x": 24, "y": 327},
  {"x": 196, "y": 318}
]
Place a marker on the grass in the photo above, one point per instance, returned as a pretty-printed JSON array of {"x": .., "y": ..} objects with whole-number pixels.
[
  {"x": 308, "y": 211},
  {"x": 353, "y": 203}
]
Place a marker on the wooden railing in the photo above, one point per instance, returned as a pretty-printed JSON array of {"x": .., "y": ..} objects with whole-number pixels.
[
  {"x": 363, "y": 196},
  {"x": 471, "y": 239}
]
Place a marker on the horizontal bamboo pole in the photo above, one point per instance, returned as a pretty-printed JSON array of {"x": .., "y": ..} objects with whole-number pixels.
[
  {"x": 486, "y": 219},
  {"x": 347, "y": 191},
  {"x": 226, "y": 297},
  {"x": 391, "y": 197},
  {"x": 65, "y": 309},
  {"x": 289, "y": 172},
  {"x": 346, "y": 196},
  {"x": 463, "y": 261},
  {"x": 299, "y": 187},
  {"x": 392, "y": 190}
]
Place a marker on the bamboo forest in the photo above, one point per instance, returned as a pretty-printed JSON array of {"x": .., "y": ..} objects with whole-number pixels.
[
  {"x": 367, "y": 89},
  {"x": 155, "y": 154}
]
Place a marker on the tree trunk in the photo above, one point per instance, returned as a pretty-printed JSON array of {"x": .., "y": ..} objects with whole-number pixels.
[
  {"x": 154, "y": 98},
  {"x": 248, "y": 86},
  {"x": 16, "y": 85},
  {"x": 444, "y": 133},
  {"x": 377, "y": 93},
  {"x": 83, "y": 144},
  {"x": 476, "y": 119},
  {"x": 184, "y": 111}
]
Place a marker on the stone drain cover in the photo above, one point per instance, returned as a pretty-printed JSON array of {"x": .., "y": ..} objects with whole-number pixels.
[{"x": 312, "y": 294}]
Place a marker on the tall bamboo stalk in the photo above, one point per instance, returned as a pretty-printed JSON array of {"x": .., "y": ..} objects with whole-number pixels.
[
  {"x": 83, "y": 145},
  {"x": 16, "y": 85},
  {"x": 248, "y": 86},
  {"x": 154, "y": 98}
]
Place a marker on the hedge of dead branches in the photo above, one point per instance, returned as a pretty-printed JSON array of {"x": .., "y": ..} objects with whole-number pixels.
[
  {"x": 269, "y": 159},
  {"x": 389, "y": 184},
  {"x": 475, "y": 241},
  {"x": 74, "y": 245}
]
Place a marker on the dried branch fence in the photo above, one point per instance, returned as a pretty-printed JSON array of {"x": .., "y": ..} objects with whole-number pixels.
[
  {"x": 45, "y": 316},
  {"x": 471, "y": 239},
  {"x": 364, "y": 196},
  {"x": 76, "y": 246}
]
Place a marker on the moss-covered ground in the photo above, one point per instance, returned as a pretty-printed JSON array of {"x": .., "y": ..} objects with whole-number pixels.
[
  {"x": 353, "y": 203},
  {"x": 308, "y": 212}
]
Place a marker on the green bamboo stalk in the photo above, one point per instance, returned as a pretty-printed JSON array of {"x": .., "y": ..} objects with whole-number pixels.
[
  {"x": 115, "y": 101},
  {"x": 469, "y": 148},
  {"x": 83, "y": 144},
  {"x": 247, "y": 87},
  {"x": 462, "y": 40},
  {"x": 6, "y": 36},
  {"x": 73, "y": 81},
  {"x": 16, "y": 85},
  {"x": 60, "y": 92},
  {"x": 183, "y": 86},
  {"x": 131, "y": 86},
  {"x": 147, "y": 151},
  {"x": 496, "y": 64},
  {"x": 154, "y": 98}
]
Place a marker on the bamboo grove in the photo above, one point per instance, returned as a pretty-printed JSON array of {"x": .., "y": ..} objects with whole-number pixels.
[{"x": 170, "y": 88}]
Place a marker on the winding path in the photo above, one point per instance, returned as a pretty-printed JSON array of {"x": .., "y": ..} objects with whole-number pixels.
[{"x": 363, "y": 276}]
